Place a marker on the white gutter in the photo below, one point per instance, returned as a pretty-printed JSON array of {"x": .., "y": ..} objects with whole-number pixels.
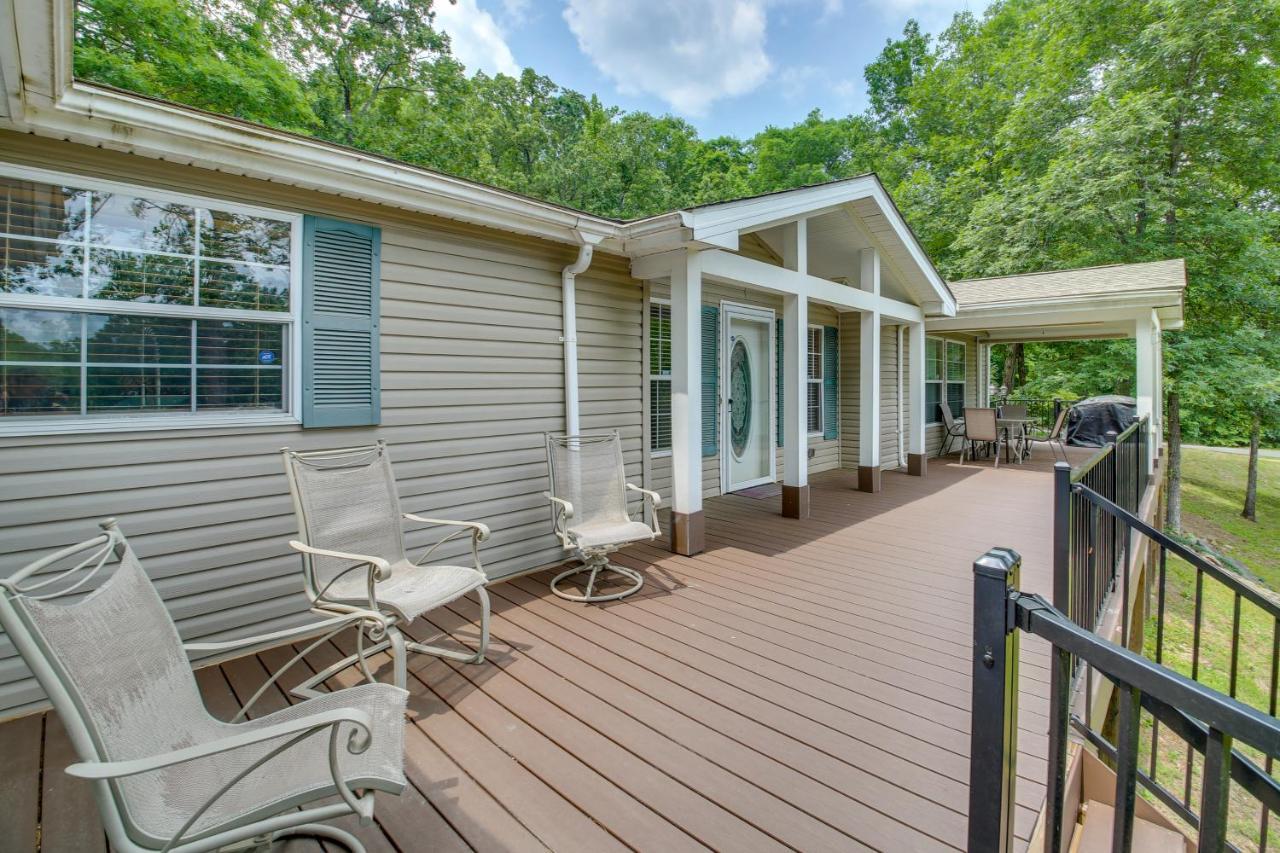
[
  {"x": 902, "y": 451},
  {"x": 569, "y": 315}
]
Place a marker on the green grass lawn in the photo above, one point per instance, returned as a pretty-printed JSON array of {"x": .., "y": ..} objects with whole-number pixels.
[{"x": 1213, "y": 494}]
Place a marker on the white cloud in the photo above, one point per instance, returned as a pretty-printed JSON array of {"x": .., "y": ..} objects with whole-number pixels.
[
  {"x": 478, "y": 42},
  {"x": 516, "y": 11},
  {"x": 846, "y": 88},
  {"x": 689, "y": 53},
  {"x": 797, "y": 81}
]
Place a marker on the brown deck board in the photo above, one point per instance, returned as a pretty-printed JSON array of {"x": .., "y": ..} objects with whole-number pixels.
[
  {"x": 21, "y": 742},
  {"x": 802, "y": 684}
]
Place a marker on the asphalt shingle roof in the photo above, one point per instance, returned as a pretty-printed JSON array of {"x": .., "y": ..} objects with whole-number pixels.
[{"x": 1112, "y": 279}]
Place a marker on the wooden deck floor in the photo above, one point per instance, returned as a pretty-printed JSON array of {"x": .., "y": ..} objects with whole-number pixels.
[{"x": 802, "y": 684}]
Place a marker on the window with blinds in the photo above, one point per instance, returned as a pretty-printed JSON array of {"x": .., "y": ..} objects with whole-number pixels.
[
  {"x": 116, "y": 302},
  {"x": 814, "y": 385},
  {"x": 944, "y": 376},
  {"x": 659, "y": 377}
]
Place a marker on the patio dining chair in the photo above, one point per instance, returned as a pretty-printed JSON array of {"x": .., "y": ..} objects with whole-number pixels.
[
  {"x": 1054, "y": 437},
  {"x": 954, "y": 428},
  {"x": 1013, "y": 411},
  {"x": 980, "y": 428},
  {"x": 589, "y": 510},
  {"x": 165, "y": 773},
  {"x": 354, "y": 559}
]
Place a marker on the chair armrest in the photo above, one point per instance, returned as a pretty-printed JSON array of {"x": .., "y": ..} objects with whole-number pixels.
[
  {"x": 565, "y": 507},
  {"x": 653, "y": 497},
  {"x": 276, "y": 638},
  {"x": 481, "y": 530},
  {"x": 382, "y": 569},
  {"x": 315, "y": 722}
]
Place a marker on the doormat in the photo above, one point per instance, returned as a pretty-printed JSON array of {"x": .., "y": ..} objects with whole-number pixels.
[{"x": 766, "y": 490}]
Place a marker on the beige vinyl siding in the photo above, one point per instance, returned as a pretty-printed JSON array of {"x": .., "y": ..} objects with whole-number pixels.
[
  {"x": 826, "y": 452},
  {"x": 934, "y": 434},
  {"x": 850, "y": 403},
  {"x": 472, "y": 377}
]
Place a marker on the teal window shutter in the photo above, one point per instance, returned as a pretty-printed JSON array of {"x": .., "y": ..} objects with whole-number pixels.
[
  {"x": 830, "y": 382},
  {"x": 710, "y": 379},
  {"x": 781, "y": 402},
  {"x": 341, "y": 382}
]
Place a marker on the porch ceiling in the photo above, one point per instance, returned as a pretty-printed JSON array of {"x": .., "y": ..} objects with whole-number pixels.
[{"x": 1079, "y": 304}]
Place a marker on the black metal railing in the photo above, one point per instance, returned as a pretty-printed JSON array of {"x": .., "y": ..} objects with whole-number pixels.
[
  {"x": 1044, "y": 409},
  {"x": 1091, "y": 547},
  {"x": 1210, "y": 723}
]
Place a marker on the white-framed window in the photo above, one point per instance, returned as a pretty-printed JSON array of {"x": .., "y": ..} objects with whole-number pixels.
[
  {"x": 124, "y": 307},
  {"x": 944, "y": 377},
  {"x": 814, "y": 385},
  {"x": 659, "y": 377}
]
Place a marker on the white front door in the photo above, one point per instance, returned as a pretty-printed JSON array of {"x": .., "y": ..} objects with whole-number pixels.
[{"x": 746, "y": 389}]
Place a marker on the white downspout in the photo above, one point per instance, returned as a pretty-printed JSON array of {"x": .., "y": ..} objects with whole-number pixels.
[
  {"x": 902, "y": 452},
  {"x": 569, "y": 312}
]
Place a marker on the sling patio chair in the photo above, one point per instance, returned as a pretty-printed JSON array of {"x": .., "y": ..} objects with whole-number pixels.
[
  {"x": 1054, "y": 437},
  {"x": 954, "y": 428},
  {"x": 589, "y": 510},
  {"x": 354, "y": 559},
  {"x": 166, "y": 774},
  {"x": 981, "y": 428}
]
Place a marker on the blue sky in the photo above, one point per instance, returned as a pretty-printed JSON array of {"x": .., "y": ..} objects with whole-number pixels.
[{"x": 727, "y": 66}]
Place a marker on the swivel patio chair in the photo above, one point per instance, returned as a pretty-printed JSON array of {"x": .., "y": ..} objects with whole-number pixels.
[
  {"x": 954, "y": 428},
  {"x": 354, "y": 559},
  {"x": 981, "y": 428},
  {"x": 589, "y": 510},
  {"x": 165, "y": 773}
]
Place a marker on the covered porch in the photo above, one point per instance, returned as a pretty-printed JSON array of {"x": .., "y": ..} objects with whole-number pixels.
[{"x": 801, "y": 683}]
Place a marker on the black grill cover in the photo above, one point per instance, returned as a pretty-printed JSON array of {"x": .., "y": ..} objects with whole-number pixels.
[{"x": 1090, "y": 420}]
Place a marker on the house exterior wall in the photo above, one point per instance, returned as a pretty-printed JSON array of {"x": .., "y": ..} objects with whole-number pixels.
[
  {"x": 826, "y": 452},
  {"x": 934, "y": 434},
  {"x": 472, "y": 376}
]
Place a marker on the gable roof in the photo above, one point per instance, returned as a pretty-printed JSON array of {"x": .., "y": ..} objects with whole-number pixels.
[{"x": 1153, "y": 277}]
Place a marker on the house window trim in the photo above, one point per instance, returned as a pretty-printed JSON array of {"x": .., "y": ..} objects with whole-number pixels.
[
  {"x": 291, "y": 320},
  {"x": 809, "y": 380},
  {"x": 650, "y": 378},
  {"x": 944, "y": 381}
]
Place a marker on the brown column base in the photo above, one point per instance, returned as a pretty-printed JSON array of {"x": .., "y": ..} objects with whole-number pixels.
[
  {"x": 868, "y": 478},
  {"x": 795, "y": 501},
  {"x": 688, "y": 533},
  {"x": 917, "y": 464}
]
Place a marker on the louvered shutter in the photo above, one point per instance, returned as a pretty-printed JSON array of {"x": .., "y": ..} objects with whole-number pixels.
[
  {"x": 778, "y": 394},
  {"x": 340, "y": 372},
  {"x": 710, "y": 379},
  {"x": 830, "y": 382}
]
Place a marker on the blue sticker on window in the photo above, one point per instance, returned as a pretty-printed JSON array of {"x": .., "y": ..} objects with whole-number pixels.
[{"x": 267, "y": 356}]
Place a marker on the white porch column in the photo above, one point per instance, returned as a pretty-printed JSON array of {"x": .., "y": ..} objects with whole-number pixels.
[
  {"x": 869, "y": 377},
  {"x": 795, "y": 422},
  {"x": 687, "y": 531},
  {"x": 916, "y": 455},
  {"x": 1145, "y": 336},
  {"x": 795, "y": 361},
  {"x": 869, "y": 403}
]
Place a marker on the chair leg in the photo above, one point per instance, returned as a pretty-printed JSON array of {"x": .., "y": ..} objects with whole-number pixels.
[
  {"x": 467, "y": 656},
  {"x": 321, "y": 830},
  {"x": 399, "y": 658},
  {"x": 307, "y": 689}
]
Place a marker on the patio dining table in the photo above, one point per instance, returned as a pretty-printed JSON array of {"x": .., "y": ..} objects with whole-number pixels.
[{"x": 1019, "y": 429}]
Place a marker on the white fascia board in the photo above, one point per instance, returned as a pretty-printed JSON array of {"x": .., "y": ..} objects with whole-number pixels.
[
  {"x": 735, "y": 269},
  {"x": 1045, "y": 314},
  {"x": 163, "y": 131}
]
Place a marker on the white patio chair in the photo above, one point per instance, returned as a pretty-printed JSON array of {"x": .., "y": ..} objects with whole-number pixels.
[
  {"x": 589, "y": 509},
  {"x": 165, "y": 773},
  {"x": 354, "y": 559}
]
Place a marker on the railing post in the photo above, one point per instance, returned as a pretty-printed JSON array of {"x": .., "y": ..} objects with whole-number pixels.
[
  {"x": 993, "y": 752},
  {"x": 1060, "y": 667}
]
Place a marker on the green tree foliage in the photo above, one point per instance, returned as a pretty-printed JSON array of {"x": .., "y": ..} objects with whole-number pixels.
[{"x": 1042, "y": 134}]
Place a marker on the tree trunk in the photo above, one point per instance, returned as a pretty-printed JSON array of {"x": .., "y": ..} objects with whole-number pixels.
[
  {"x": 1014, "y": 370},
  {"x": 1173, "y": 497},
  {"x": 1251, "y": 487}
]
